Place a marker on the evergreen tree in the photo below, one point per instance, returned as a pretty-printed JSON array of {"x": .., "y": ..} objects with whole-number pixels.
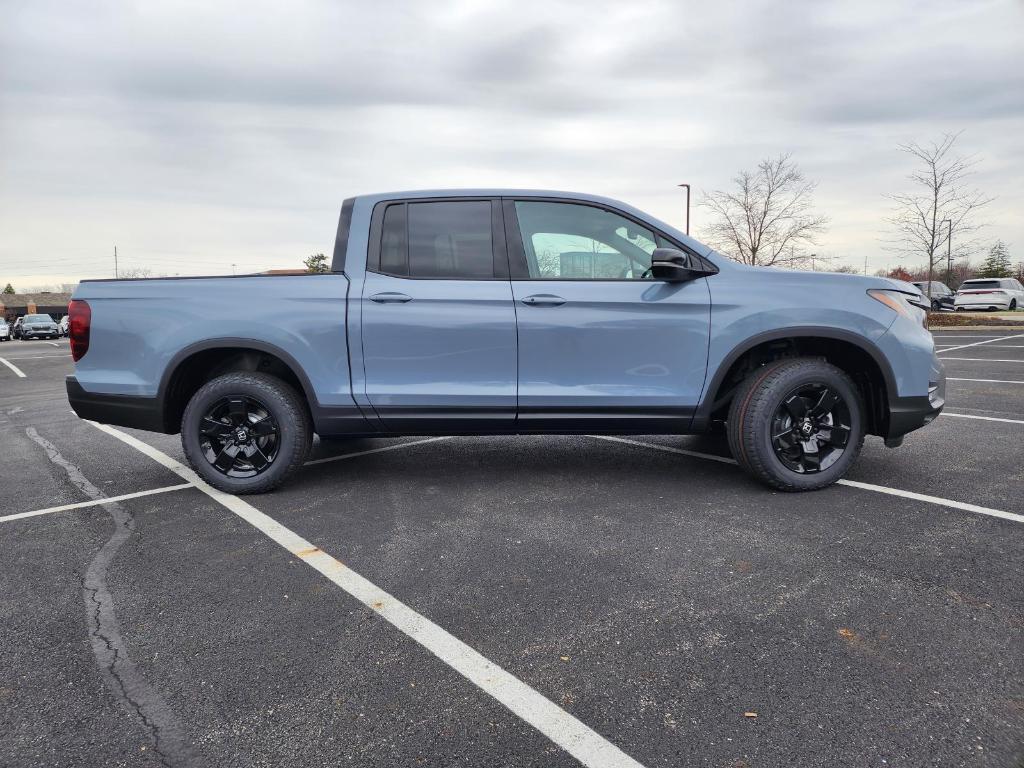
[
  {"x": 317, "y": 263},
  {"x": 997, "y": 263},
  {"x": 8, "y": 288}
]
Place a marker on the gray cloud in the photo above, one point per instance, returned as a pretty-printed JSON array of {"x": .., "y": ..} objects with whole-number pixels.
[{"x": 232, "y": 131}]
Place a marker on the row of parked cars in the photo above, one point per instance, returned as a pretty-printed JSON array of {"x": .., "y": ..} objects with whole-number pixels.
[
  {"x": 981, "y": 293},
  {"x": 33, "y": 327}
]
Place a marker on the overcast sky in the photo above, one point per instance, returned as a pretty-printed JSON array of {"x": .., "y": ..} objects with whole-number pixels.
[{"x": 199, "y": 135}]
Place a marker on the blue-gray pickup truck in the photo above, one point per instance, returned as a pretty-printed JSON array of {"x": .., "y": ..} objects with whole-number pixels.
[{"x": 507, "y": 311}]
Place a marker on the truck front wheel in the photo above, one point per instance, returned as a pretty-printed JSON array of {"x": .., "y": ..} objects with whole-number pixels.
[
  {"x": 246, "y": 432},
  {"x": 796, "y": 424}
]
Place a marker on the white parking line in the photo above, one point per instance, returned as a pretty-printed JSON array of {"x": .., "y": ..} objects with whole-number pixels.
[
  {"x": 94, "y": 502},
  {"x": 979, "y": 343},
  {"x": 40, "y": 357},
  {"x": 580, "y": 741},
  {"x": 986, "y": 381},
  {"x": 852, "y": 483},
  {"x": 983, "y": 360},
  {"x": 13, "y": 367},
  {"x": 982, "y": 418},
  {"x": 375, "y": 450}
]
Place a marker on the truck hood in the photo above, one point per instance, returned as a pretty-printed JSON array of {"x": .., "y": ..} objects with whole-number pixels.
[{"x": 814, "y": 279}]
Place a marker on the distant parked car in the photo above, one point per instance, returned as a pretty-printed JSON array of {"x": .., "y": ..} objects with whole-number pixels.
[
  {"x": 36, "y": 327},
  {"x": 940, "y": 295},
  {"x": 62, "y": 326},
  {"x": 990, "y": 293},
  {"x": 5, "y": 330},
  {"x": 16, "y": 328}
]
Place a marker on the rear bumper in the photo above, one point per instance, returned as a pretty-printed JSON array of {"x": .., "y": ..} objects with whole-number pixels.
[
  {"x": 122, "y": 410},
  {"x": 991, "y": 304},
  {"x": 909, "y": 413}
]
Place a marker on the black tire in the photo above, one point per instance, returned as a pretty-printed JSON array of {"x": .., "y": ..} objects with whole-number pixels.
[
  {"x": 759, "y": 408},
  {"x": 251, "y": 399},
  {"x": 1013, "y": 305},
  {"x": 936, "y": 306}
]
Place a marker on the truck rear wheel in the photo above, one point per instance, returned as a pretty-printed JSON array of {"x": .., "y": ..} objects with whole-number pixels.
[
  {"x": 797, "y": 424},
  {"x": 246, "y": 432}
]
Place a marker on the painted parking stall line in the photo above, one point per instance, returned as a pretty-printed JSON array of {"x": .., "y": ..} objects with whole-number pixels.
[
  {"x": 983, "y": 360},
  {"x": 580, "y": 741},
  {"x": 979, "y": 343},
  {"x": 986, "y": 381},
  {"x": 352, "y": 455},
  {"x": 18, "y": 372},
  {"x": 40, "y": 357},
  {"x": 94, "y": 502},
  {"x": 938, "y": 500},
  {"x": 981, "y": 418}
]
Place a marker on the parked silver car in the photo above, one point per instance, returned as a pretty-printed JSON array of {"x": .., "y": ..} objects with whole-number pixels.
[{"x": 5, "y": 330}]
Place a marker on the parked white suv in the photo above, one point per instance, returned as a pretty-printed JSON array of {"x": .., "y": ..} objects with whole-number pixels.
[{"x": 990, "y": 293}]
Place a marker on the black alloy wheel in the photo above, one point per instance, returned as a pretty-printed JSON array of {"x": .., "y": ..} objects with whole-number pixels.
[
  {"x": 811, "y": 428},
  {"x": 239, "y": 437}
]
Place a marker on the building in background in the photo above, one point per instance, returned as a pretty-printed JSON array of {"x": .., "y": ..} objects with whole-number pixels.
[{"x": 12, "y": 305}]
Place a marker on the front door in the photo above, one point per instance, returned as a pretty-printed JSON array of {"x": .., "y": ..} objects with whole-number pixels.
[
  {"x": 439, "y": 326},
  {"x": 602, "y": 346}
]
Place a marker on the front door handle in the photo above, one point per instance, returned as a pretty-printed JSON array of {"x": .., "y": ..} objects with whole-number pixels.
[
  {"x": 390, "y": 297},
  {"x": 544, "y": 300}
]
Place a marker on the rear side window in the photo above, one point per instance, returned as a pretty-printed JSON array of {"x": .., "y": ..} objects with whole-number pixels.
[
  {"x": 441, "y": 240},
  {"x": 971, "y": 284}
]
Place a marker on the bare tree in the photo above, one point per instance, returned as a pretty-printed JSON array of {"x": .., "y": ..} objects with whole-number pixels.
[
  {"x": 135, "y": 273},
  {"x": 767, "y": 218},
  {"x": 942, "y": 204}
]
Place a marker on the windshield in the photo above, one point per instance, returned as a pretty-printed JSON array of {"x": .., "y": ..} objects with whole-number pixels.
[
  {"x": 980, "y": 284},
  {"x": 38, "y": 319}
]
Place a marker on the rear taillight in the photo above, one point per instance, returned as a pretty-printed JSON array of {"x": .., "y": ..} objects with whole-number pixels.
[{"x": 79, "y": 319}]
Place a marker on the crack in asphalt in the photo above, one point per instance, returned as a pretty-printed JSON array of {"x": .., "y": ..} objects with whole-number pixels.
[{"x": 135, "y": 694}]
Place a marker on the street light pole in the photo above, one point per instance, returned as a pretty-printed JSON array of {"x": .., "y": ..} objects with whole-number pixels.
[
  {"x": 949, "y": 249},
  {"x": 687, "y": 206}
]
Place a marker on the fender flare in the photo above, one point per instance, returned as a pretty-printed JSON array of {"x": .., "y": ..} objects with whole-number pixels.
[
  {"x": 703, "y": 415},
  {"x": 234, "y": 342}
]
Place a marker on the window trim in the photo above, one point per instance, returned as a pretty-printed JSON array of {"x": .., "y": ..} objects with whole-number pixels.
[
  {"x": 519, "y": 267},
  {"x": 499, "y": 251}
]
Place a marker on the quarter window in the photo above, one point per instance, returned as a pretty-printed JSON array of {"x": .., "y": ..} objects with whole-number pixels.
[{"x": 569, "y": 241}]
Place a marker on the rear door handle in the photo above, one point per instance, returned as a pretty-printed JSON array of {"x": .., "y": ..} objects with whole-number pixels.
[
  {"x": 390, "y": 297},
  {"x": 543, "y": 300}
]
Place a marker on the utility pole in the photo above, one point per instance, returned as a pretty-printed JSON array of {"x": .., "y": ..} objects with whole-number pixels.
[
  {"x": 865, "y": 264},
  {"x": 687, "y": 206},
  {"x": 232, "y": 269},
  {"x": 115, "y": 262}
]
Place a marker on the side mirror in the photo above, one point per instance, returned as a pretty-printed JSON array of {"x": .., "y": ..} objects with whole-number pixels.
[{"x": 674, "y": 266}]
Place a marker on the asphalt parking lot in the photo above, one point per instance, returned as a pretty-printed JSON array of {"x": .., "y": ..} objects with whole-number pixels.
[{"x": 530, "y": 601}]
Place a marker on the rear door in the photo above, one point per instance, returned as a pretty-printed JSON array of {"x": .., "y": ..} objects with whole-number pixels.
[
  {"x": 439, "y": 326},
  {"x": 602, "y": 345}
]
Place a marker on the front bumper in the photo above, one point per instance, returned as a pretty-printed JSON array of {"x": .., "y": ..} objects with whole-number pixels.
[
  {"x": 909, "y": 413},
  {"x": 121, "y": 410}
]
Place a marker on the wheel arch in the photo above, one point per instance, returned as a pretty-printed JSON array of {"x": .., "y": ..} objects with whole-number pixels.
[
  {"x": 194, "y": 365},
  {"x": 851, "y": 352}
]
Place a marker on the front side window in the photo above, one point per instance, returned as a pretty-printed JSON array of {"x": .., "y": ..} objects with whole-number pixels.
[
  {"x": 443, "y": 240},
  {"x": 569, "y": 241}
]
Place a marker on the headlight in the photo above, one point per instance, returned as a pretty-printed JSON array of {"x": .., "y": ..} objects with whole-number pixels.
[{"x": 904, "y": 304}]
